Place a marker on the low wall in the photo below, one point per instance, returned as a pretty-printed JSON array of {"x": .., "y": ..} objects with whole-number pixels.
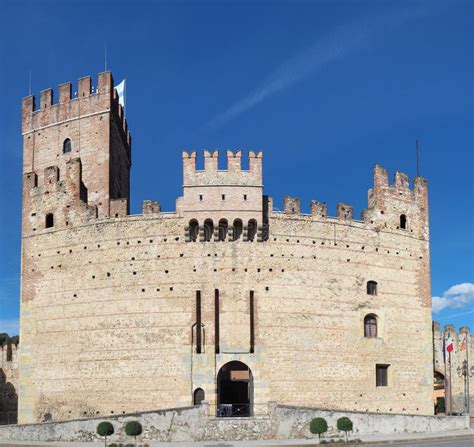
[{"x": 194, "y": 424}]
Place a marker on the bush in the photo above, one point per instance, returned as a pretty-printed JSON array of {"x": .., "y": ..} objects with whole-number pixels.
[
  {"x": 318, "y": 426},
  {"x": 105, "y": 429},
  {"x": 344, "y": 424},
  {"x": 133, "y": 428}
]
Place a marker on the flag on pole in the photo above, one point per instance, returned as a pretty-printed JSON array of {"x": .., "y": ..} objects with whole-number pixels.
[
  {"x": 121, "y": 93},
  {"x": 449, "y": 343},
  {"x": 463, "y": 345}
]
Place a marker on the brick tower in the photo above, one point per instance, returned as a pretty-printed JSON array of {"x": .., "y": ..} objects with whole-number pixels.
[{"x": 90, "y": 126}]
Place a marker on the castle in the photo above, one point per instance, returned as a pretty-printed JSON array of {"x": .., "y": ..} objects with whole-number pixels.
[{"x": 225, "y": 300}]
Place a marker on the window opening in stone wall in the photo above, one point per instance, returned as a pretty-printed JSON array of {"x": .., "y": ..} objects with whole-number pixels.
[
  {"x": 193, "y": 230},
  {"x": 223, "y": 196},
  {"x": 49, "y": 220},
  {"x": 403, "y": 222},
  {"x": 252, "y": 322},
  {"x": 208, "y": 229},
  {"x": 370, "y": 326},
  {"x": 223, "y": 227},
  {"x": 216, "y": 321},
  {"x": 381, "y": 375},
  {"x": 198, "y": 396},
  {"x": 67, "y": 147},
  {"x": 245, "y": 196},
  {"x": 371, "y": 288},
  {"x": 237, "y": 229},
  {"x": 198, "y": 323},
  {"x": 200, "y": 197},
  {"x": 252, "y": 229}
]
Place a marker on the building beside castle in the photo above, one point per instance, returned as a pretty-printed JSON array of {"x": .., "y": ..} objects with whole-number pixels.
[
  {"x": 8, "y": 384},
  {"x": 225, "y": 299}
]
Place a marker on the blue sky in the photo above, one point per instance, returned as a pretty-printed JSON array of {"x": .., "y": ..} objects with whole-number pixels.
[{"x": 325, "y": 88}]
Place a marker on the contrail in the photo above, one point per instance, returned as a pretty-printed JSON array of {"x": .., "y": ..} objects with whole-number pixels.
[{"x": 334, "y": 46}]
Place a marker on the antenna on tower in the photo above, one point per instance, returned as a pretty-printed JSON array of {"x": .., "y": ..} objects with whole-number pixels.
[
  {"x": 105, "y": 56},
  {"x": 29, "y": 84},
  {"x": 417, "y": 158}
]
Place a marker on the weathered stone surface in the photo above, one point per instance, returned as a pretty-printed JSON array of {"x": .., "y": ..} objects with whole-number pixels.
[{"x": 193, "y": 424}]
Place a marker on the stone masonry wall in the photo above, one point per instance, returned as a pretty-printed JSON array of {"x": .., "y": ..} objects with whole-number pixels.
[
  {"x": 108, "y": 323},
  {"x": 450, "y": 366},
  {"x": 194, "y": 424}
]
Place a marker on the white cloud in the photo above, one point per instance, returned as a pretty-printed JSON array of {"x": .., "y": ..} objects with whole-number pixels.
[
  {"x": 455, "y": 297},
  {"x": 11, "y": 327},
  {"x": 334, "y": 46}
]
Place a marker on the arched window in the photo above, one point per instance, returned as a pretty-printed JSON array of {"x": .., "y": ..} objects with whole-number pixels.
[
  {"x": 193, "y": 230},
  {"x": 223, "y": 226},
  {"x": 67, "y": 146},
  {"x": 198, "y": 396},
  {"x": 371, "y": 288},
  {"x": 49, "y": 221},
  {"x": 251, "y": 230},
  {"x": 237, "y": 229},
  {"x": 208, "y": 229},
  {"x": 403, "y": 222},
  {"x": 370, "y": 326}
]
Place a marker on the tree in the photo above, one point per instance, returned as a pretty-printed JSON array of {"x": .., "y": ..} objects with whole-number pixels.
[
  {"x": 344, "y": 424},
  {"x": 105, "y": 429},
  {"x": 318, "y": 426},
  {"x": 133, "y": 428}
]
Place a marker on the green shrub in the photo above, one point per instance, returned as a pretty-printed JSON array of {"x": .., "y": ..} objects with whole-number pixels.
[
  {"x": 344, "y": 424},
  {"x": 105, "y": 429},
  {"x": 133, "y": 428},
  {"x": 318, "y": 426}
]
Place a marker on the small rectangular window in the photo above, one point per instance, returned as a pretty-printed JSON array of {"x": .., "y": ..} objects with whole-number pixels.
[
  {"x": 381, "y": 375},
  {"x": 223, "y": 196},
  {"x": 200, "y": 197},
  {"x": 245, "y": 196}
]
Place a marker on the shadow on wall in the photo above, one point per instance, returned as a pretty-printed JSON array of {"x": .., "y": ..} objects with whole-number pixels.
[{"x": 8, "y": 401}]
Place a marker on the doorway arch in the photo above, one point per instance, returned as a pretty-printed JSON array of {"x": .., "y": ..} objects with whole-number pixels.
[{"x": 234, "y": 390}]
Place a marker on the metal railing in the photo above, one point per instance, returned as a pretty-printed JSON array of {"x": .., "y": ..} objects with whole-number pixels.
[{"x": 233, "y": 410}]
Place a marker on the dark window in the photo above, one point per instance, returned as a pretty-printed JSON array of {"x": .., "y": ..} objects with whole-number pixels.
[
  {"x": 251, "y": 230},
  {"x": 223, "y": 226},
  {"x": 370, "y": 326},
  {"x": 198, "y": 396},
  {"x": 208, "y": 229},
  {"x": 67, "y": 146},
  {"x": 403, "y": 222},
  {"x": 49, "y": 221},
  {"x": 381, "y": 375},
  {"x": 198, "y": 323},
  {"x": 216, "y": 321},
  {"x": 223, "y": 196},
  {"x": 193, "y": 230},
  {"x": 371, "y": 288},
  {"x": 237, "y": 229},
  {"x": 252, "y": 322}
]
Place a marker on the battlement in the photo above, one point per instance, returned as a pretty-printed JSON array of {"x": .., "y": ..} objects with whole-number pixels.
[
  {"x": 85, "y": 101},
  {"x": 451, "y": 329},
  {"x": 8, "y": 355},
  {"x": 233, "y": 175}
]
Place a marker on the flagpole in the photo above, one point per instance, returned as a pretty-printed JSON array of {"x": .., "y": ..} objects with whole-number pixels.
[{"x": 450, "y": 386}]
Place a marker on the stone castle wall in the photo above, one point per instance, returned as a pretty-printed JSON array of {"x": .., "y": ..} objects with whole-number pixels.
[
  {"x": 450, "y": 366},
  {"x": 8, "y": 384},
  {"x": 109, "y": 314}
]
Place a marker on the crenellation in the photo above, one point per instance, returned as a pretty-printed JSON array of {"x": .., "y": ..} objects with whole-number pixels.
[
  {"x": 151, "y": 207},
  {"x": 84, "y": 86},
  {"x": 319, "y": 209},
  {"x": 291, "y": 205},
  {"x": 65, "y": 92},
  {"x": 234, "y": 161},
  {"x": 401, "y": 181},
  {"x": 46, "y": 98},
  {"x": 344, "y": 211}
]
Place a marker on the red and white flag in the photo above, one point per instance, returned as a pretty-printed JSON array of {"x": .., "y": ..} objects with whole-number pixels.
[{"x": 449, "y": 343}]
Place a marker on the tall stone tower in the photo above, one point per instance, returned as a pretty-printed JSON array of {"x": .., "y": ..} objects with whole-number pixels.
[{"x": 76, "y": 168}]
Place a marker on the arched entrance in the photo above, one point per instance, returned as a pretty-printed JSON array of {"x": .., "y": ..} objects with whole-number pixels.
[
  {"x": 234, "y": 390},
  {"x": 439, "y": 393}
]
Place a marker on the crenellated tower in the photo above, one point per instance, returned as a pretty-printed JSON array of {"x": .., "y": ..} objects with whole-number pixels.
[{"x": 89, "y": 126}]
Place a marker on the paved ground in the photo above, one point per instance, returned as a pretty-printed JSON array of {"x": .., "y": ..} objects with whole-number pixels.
[{"x": 455, "y": 439}]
